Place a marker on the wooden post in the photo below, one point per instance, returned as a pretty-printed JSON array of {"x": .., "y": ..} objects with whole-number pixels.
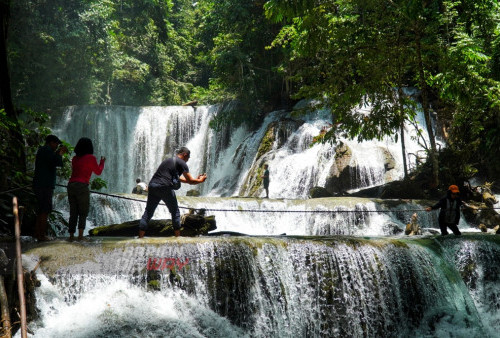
[
  {"x": 20, "y": 275},
  {"x": 4, "y": 303}
]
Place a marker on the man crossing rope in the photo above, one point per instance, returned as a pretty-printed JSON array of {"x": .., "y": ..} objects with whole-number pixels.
[
  {"x": 449, "y": 215},
  {"x": 165, "y": 181}
]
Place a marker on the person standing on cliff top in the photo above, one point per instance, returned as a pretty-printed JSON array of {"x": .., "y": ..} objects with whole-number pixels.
[
  {"x": 265, "y": 179},
  {"x": 165, "y": 181},
  {"x": 449, "y": 215}
]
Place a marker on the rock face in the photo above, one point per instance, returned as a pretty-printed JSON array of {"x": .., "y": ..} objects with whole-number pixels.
[
  {"x": 275, "y": 137},
  {"x": 192, "y": 225},
  {"x": 481, "y": 214},
  {"x": 341, "y": 173},
  {"x": 345, "y": 172}
]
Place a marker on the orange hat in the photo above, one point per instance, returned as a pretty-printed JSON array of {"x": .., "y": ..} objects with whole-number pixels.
[{"x": 454, "y": 188}]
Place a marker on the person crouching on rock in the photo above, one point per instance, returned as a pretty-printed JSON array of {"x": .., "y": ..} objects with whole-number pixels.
[
  {"x": 165, "y": 181},
  {"x": 449, "y": 215}
]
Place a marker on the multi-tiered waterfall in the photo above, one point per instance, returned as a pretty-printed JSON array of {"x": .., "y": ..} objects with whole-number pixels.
[
  {"x": 136, "y": 139},
  {"x": 342, "y": 270}
]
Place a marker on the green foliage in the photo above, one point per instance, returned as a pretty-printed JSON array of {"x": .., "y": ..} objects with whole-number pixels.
[
  {"x": 101, "y": 52},
  {"x": 97, "y": 184},
  {"x": 233, "y": 35},
  {"x": 347, "y": 52}
]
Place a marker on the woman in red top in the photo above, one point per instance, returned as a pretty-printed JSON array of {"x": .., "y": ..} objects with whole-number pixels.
[{"x": 83, "y": 165}]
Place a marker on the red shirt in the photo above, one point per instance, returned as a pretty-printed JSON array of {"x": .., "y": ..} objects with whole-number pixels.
[{"x": 83, "y": 166}]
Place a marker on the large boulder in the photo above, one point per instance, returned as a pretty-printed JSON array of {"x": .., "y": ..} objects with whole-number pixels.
[
  {"x": 341, "y": 173},
  {"x": 319, "y": 192},
  {"x": 192, "y": 225},
  {"x": 193, "y": 193}
]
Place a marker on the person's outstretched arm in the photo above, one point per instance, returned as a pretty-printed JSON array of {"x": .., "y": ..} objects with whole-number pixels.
[
  {"x": 188, "y": 178},
  {"x": 98, "y": 168},
  {"x": 435, "y": 206}
]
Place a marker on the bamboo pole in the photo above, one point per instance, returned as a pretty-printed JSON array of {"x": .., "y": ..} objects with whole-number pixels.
[{"x": 20, "y": 275}]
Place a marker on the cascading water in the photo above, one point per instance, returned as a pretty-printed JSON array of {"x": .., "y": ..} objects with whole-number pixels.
[
  {"x": 144, "y": 136},
  {"x": 136, "y": 139},
  {"x": 262, "y": 287},
  {"x": 316, "y": 217}
]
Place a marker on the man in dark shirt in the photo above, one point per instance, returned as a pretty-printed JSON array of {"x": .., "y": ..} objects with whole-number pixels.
[
  {"x": 162, "y": 187},
  {"x": 48, "y": 157},
  {"x": 449, "y": 215},
  {"x": 265, "y": 179}
]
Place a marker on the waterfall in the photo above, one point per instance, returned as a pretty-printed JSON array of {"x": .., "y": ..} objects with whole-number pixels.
[
  {"x": 332, "y": 275},
  {"x": 477, "y": 262},
  {"x": 136, "y": 139},
  {"x": 336, "y": 287}
]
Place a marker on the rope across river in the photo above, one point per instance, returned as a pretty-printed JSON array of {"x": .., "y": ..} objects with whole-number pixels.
[
  {"x": 267, "y": 210},
  {"x": 249, "y": 210}
]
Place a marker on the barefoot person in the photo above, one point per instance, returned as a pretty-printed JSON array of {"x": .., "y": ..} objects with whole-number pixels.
[
  {"x": 165, "y": 181},
  {"x": 82, "y": 165}
]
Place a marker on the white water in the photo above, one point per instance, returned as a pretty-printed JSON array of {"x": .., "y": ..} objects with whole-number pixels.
[
  {"x": 480, "y": 272},
  {"x": 136, "y": 139},
  {"x": 266, "y": 217},
  {"x": 260, "y": 288},
  {"x": 117, "y": 308}
]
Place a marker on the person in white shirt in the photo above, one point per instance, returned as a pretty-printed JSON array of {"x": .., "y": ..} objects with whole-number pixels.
[{"x": 140, "y": 187}]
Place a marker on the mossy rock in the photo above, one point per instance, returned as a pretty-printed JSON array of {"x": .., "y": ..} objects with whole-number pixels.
[
  {"x": 193, "y": 193},
  {"x": 318, "y": 192},
  {"x": 266, "y": 144},
  {"x": 157, "y": 228}
]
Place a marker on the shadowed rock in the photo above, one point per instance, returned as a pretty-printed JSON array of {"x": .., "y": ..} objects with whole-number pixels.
[{"x": 192, "y": 225}]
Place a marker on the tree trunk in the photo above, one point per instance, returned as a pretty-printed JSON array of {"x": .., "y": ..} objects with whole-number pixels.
[
  {"x": 402, "y": 130},
  {"x": 15, "y": 152},
  {"x": 6, "y": 98},
  {"x": 425, "y": 107}
]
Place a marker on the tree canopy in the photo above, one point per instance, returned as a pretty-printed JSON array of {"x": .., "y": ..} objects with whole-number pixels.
[{"x": 266, "y": 54}]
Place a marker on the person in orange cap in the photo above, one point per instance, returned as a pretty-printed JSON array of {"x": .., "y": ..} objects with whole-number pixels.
[{"x": 449, "y": 215}]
